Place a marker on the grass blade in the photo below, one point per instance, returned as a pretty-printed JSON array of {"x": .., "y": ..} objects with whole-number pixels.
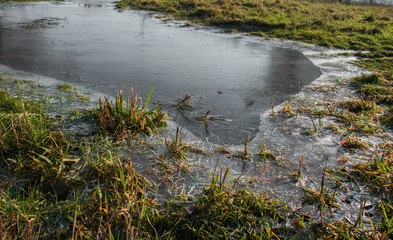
[{"x": 148, "y": 98}]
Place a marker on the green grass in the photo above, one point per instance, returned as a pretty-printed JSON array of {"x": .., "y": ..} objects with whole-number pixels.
[
  {"x": 220, "y": 211},
  {"x": 107, "y": 196},
  {"x": 52, "y": 187},
  {"x": 387, "y": 118},
  {"x": 97, "y": 193},
  {"x": 376, "y": 87},
  {"x": 127, "y": 118},
  {"x": 378, "y": 65},
  {"x": 65, "y": 87},
  {"x": 331, "y": 24},
  {"x": 28, "y": 145},
  {"x": 377, "y": 172},
  {"x": 41, "y": 23}
]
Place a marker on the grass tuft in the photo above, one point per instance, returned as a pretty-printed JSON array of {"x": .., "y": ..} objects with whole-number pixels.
[
  {"x": 359, "y": 106},
  {"x": 376, "y": 87},
  {"x": 265, "y": 153},
  {"x": 184, "y": 103},
  {"x": 28, "y": 145},
  {"x": 350, "y": 142},
  {"x": 176, "y": 148},
  {"x": 65, "y": 87},
  {"x": 387, "y": 118},
  {"x": 377, "y": 173},
  {"x": 127, "y": 118},
  {"x": 221, "y": 211}
]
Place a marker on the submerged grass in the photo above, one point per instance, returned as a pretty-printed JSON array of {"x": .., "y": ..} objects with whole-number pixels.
[
  {"x": 377, "y": 173},
  {"x": 65, "y": 87},
  {"x": 41, "y": 23},
  {"x": 46, "y": 195},
  {"x": 107, "y": 198}
]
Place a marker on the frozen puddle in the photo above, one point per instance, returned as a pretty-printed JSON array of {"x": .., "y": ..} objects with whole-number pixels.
[
  {"x": 99, "y": 48},
  {"x": 236, "y": 77}
]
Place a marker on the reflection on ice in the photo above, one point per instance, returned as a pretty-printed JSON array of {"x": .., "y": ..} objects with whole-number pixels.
[{"x": 102, "y": 49}]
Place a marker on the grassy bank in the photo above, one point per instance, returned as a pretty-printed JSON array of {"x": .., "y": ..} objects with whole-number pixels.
[{"x": 356, "y": 27}]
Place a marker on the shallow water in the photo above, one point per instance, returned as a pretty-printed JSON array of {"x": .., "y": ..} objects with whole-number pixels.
[{"x": 100, "y": 48}]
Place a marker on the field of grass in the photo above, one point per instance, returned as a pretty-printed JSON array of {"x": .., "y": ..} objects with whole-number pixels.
[{"x": 55, "y": 185}]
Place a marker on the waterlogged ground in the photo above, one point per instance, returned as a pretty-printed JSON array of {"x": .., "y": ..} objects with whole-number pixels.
[{"x": 233, "y": 75}]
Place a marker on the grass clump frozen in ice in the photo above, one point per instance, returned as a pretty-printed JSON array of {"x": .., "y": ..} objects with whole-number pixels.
[
  {"x": 220, "y": 211},
  {"x": 124, "y": 118},
  {"x": 377, "y": 173},
  {"x": 42, "y": 23},
  {"x": 47, "y": 193}
]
